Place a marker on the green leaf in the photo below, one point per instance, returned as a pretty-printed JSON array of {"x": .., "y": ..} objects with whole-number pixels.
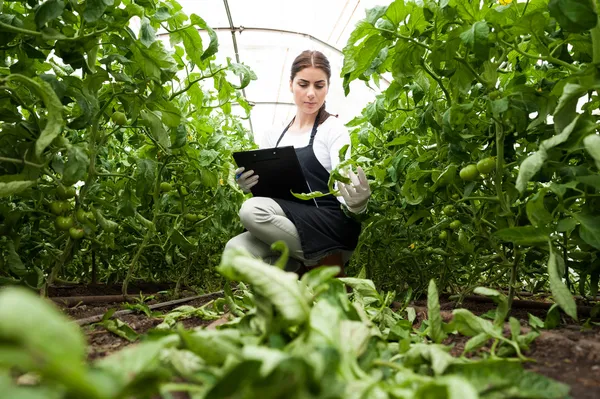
[
  {"x": 476, "y": 342},
  {"x": 499, "y": 106},
  {"x": 552, "y": 319},
  {"x": 592, "y": 145},
  {"x": 49, "y": 11},
  {"x": 159, "y": 133},
  {"x": 470, "y": 325},
  {"x": 147, "y": 33},
  {"x": 15, "y": 187},
  {"x": 13, "y": 259},
  {"x": 180, "y": 137},
  {"x": 432, "y": 354},
  {"x": 397, "y": 12},
  {"x": 536, "y": 211},
  {"x": 214, "y": 346},
  {"x": 566, "y": 109},
  {"x": 57, "y": 350},
  {"x": 433, "y": 310},
  {"x": 94, "y": 9},
  {"x": 476, "y": 39},
  {"x": 192, "y": 42},
  {"x": 365, "y": 288},
  {"x": 213, "y": 46},
  {"x": 500, "y": 299},
  {"x": 375, "y": 112},
  {"x": 574, "y": 15},
  {"x": 591, "y": 180},
  {"x": 524, "y": 235},
  {"x": 508, "y": 380},
  {"x": 532, "y": 164},
  {"x": 560, "y": 292},
  {"x": 134, "y": 367},
  {"x": 120, "y": 329},
  {"x": 77, "y": 165},
  {"x": 589, "y": 229},
  {"x": 107, "y": 225},
  {"x": 155, "y": 62},
  {"x": 145, "y": 177},
  {"x": 54, "y": 121},
  {"x": 244, "y": 72},
  {"x": 567, "y": 224},
  {"x": 279, "y": 287}
]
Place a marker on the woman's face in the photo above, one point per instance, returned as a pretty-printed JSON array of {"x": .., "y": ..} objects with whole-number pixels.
[{"x": 310, "y": 89}]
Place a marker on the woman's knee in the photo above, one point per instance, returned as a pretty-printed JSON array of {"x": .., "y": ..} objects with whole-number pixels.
[{"x": 255, "y": 210}]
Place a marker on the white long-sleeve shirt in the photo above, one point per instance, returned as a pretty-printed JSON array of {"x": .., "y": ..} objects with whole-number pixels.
[{"x": 331, "y": 136}]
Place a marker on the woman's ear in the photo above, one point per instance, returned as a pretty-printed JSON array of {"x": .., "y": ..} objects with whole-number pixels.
[{"x": 291, "y": 87}]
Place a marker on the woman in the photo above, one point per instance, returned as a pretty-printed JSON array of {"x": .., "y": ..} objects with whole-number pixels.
[{"x": 311, "y": 232}]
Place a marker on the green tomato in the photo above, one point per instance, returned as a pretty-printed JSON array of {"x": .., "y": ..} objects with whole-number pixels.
[
  {"x": 119, "y": 118},
  {"x": 183, "y": 190},
  {"x": 66, "y": 192},
  {"x": 443, "y": 235},
  {"x": 75, "y": 233},
  {"x": 486, "y": 165},
  {"x": 165, "y": 187},
  {"x": 81, "y": 216},
  {"x": 90, "y": 216},
  {"x": 63, "y": 222},
  {"x": 455, "y": 225},
  {"x": 66, "y": 206},
  {"x": 191, "y": 217},
  {"x": 455, "y": 197},
  {"x": 469, "y": 173},
  {"x": 449, "y": 210},
  {"x": 56, "y": 207}
]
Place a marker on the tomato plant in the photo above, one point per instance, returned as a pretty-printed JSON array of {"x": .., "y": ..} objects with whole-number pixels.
[
  {"x": 97, "y": 117},
  {"x": 481, "y": 88}
]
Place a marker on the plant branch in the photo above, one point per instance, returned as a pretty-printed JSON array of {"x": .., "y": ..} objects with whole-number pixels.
[
  {"x": 407, "y": 38},
  {"x": 193, "y": 82},
  {"x": 20, "y": 161},
  {"x": 464, "y": 61},
  {"x": 439, "y": 82},
  {"x": 550, "y": 59}
]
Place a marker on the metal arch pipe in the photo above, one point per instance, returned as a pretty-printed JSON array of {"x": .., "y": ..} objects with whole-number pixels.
[{"x": 237, "y": 57}]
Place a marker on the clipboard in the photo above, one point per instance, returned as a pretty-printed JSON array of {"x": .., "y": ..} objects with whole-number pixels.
[{"x": 279, "y": 172}]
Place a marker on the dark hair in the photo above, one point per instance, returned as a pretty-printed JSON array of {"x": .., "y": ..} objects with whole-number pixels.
[{"x": 315, "y": 59}]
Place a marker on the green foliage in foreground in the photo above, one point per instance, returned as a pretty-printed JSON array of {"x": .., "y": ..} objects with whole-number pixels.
[{"x": 291, "y": 339}]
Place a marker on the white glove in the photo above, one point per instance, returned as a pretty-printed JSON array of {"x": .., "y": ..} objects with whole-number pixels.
[
  {"x": 356, "y": 195},
  {"x": 245, "y": 180}
]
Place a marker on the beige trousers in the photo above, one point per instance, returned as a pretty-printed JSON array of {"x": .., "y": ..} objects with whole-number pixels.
[{"x": 267, "y": 223}]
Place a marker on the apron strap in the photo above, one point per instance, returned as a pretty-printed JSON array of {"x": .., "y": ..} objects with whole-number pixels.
[{"x": 312, "y": 133}]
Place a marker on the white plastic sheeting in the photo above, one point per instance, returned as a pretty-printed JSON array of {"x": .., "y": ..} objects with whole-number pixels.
[{"x": 323, "y": 25}]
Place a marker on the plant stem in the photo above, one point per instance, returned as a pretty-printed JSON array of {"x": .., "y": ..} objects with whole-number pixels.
[
  {"x": 513, "y": 277},
  {"x": 21, "y": 161},
  {"x": 58, "y": 265},
  {"x": 500, "y": 166},
  {"x": 553, "y": 60},
  {"x": 566, "y": 259},
  {"x": 439, "y": 82}
]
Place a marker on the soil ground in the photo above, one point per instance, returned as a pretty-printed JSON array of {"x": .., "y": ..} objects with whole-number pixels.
[{"x": 570, "y": 353}]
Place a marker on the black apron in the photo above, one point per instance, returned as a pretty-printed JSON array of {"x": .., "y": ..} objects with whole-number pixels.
[{"x": 324, "y": 229}]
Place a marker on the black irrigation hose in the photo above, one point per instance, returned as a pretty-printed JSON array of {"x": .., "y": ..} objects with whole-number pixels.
[{"x": 94, "y": 319}]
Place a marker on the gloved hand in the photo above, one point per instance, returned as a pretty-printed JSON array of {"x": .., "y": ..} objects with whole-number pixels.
[
  {"x": 246, "y": 180},
  {"x": 356, "y": 195}
]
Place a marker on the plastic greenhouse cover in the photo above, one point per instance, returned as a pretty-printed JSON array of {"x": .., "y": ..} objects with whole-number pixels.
[{"x": 271, "y": 33}]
